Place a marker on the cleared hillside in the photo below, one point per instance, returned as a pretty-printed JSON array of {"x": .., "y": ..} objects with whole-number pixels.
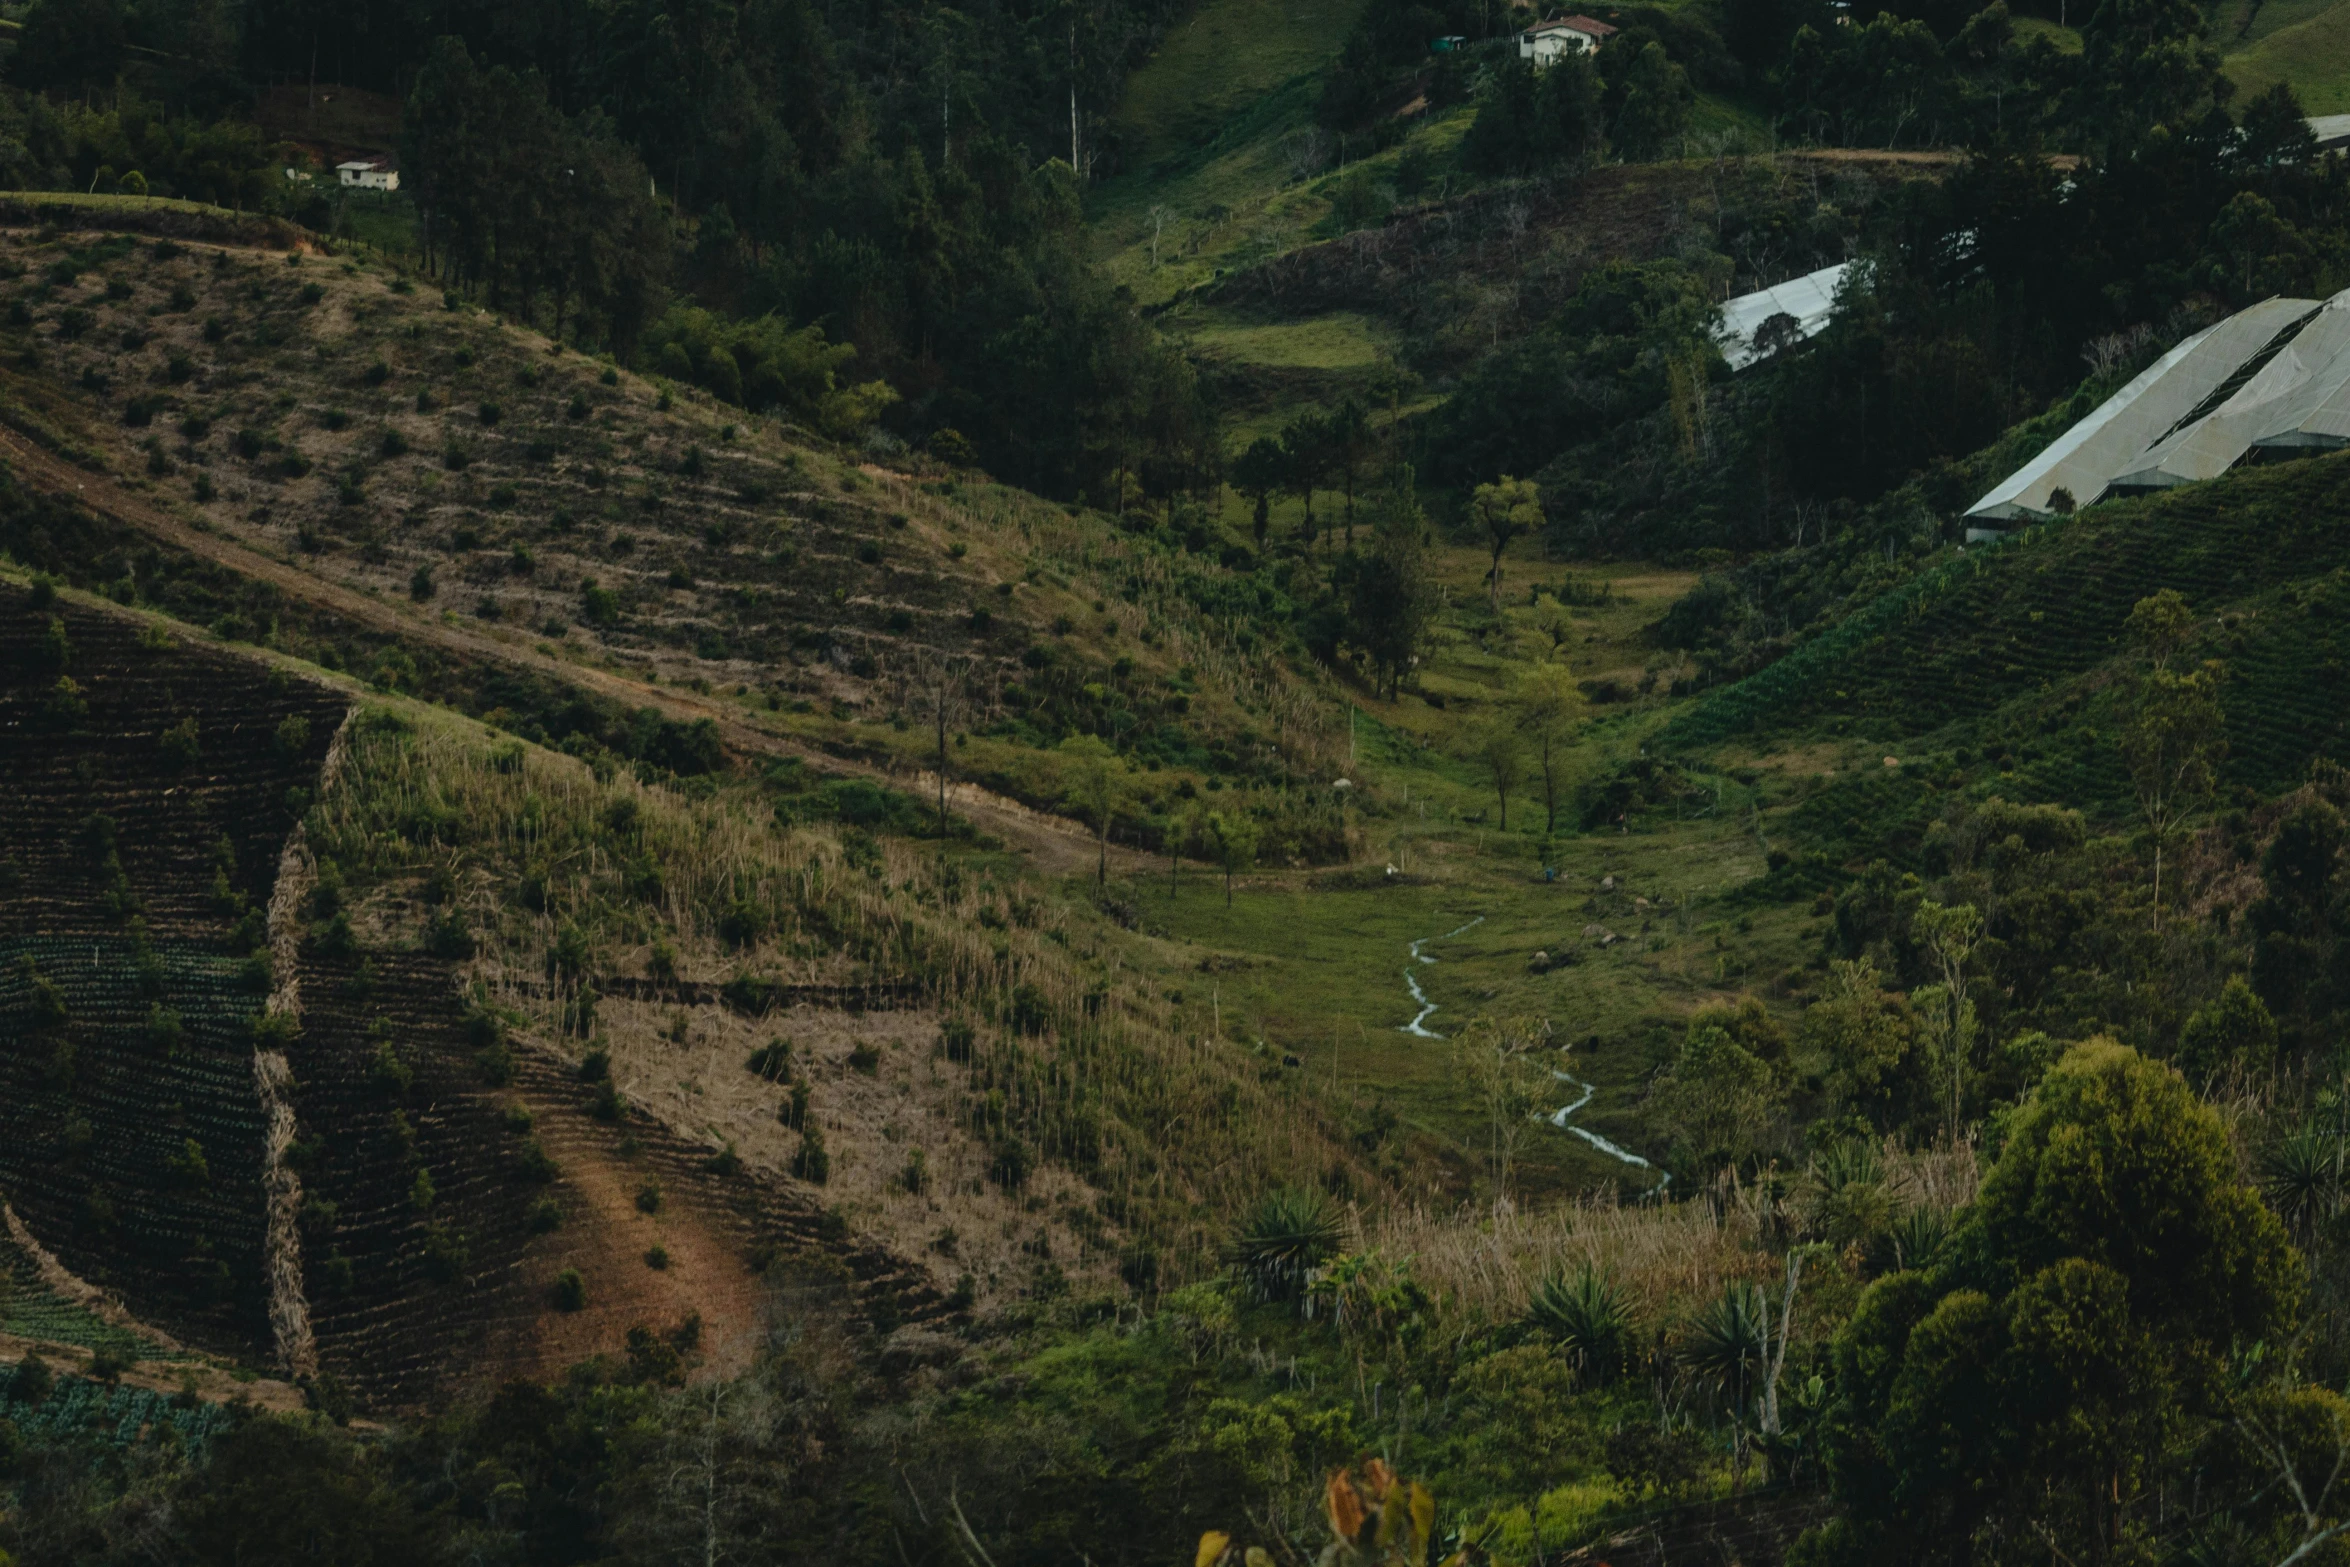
[{"x": 486, "y": 492}]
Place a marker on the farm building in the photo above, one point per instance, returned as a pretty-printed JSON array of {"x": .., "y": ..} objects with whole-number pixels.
[
  {"x": 2271, "y": 381},
  {"x": 1756, "y": 325},
  {"x": 369, "y": 174},
  {"x": 1546, "y": 43}
]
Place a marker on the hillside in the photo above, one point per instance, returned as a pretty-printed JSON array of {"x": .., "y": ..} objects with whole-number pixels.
[
  {"x": 505, "y": 1056},
  {"x": 2011, "y": 652},
  {"x": 495, "y": 500}
]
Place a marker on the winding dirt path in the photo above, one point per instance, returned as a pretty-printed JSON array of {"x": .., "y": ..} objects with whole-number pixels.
[{"x": 1057, "y": 847}]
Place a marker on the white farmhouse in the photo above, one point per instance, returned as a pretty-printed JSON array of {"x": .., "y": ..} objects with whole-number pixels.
[
  {"x": 1546, "y": 43},
  {"x": 369, "y": 174}
]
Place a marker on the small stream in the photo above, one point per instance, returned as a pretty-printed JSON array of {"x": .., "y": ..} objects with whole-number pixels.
[{"x": 1418, "y": 1028}]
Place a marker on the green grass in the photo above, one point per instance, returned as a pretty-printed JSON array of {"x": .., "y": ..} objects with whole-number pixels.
[
  {"x": 1224, "y": 57},
  {"x": 1341, "y": 341},
  {"x": 113, "y": 203},
  {"x": 2066, "y": 39},
  {"x": 2304, "y": 44}
]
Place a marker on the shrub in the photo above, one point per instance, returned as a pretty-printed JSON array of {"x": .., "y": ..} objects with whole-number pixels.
[
  {"x": 1589, "y": 1318},
  {"x": 570, "y": 1290},
  {"x": 32, "y": 1381},
  {"x": 648, "y": 1197},
  {"x": 387, "y": 1073},
  {"x": 1288, "y": 1234},
  {"x": 422, "y": 1194},
  {"x": 532, "y": 1163},
  {"x": 956, "y": 1037},
  {"x": 446, "y": 936},
  {"x": 1010, "y": 1163},
  {"x": 771, "y": 1061},
  {"x": 546, "y": 1216},
  {"x": 446, "y": 1253},
  {"x": 179, "y": 744},
  {"x": 189, "y": 1166},
  {"x": 657, "y": 1258},
  {"x": 865, "y": 1058},
  {"x": 810, "y": 1162}
]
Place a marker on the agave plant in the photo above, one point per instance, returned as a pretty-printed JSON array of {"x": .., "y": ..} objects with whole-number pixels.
[
  {"x": 2301, "y": 1176},
  {"x": 1589, "y": 1317},
  {"x": 1847, "y": 1199},
  {"x": 1918, "y": 1234},
  {"x": 1728, "y": 1342},
  {"x": 1286, "y": 1236}
]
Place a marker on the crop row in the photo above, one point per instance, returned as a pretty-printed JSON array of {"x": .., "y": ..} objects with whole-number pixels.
[
  {"x": 79, "y": 1407},
  {"x": 402, "y": 1278}
]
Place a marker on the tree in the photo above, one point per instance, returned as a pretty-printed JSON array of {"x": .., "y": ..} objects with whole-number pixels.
[
  {"x": 1183, "y": 830},
  {"x": 1949, "y": 936},
  {"x": 1391, "y": 602},
  {"x": 1717, "y": 1098},
  {"x": 945, "y": 681},
  {"x": 1547, "y": 704},
  {"x": 1502, "y": 753},
  {"x": 2233, "y": 1032},
  {"x": 1866, "y": 1035},
  {"x": 1305, "y": 442},
  {"x": 1500, "y": 1060},
  {"x": 2069, "y": 1358},
  {"x": 1257, "y": 473},
  {"x": 2301, "y": 923},
  {"x": 1350, "y": 442},
  {"x": 69, "y": 46},
  {"x": 1097, "y": 787},
  {"x": 2176, "y": 734},
  {"x": 1505, "y": 510},
  {"x": 1233, "y": 835},
  {"x": 1648, "y": 104}
]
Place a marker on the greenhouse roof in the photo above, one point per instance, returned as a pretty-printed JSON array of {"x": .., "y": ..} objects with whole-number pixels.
[{"x": 2275, "y": 378}]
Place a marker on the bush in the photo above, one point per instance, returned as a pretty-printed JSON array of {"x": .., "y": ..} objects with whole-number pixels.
[
  {"x": 811, "y": 1163},
  {"x": 1285, "y": 1237},
  {"x": 648, "y": 1197},
  {"x": 31, "y": 1382},
  {"x": 1011, "y": 1163},
  {"x": 956, "y": 1037},
  {"x": 446, "y": 1253},
  {"x": 533, "y": 1164},
  {"x": 570, "y": 1290},
  {"x": 1589, "y": 1318},
  {"x": 179, "y": 744}
]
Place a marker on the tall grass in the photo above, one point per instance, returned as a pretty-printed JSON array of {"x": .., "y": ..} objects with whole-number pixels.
[{"x": 1483, "y": 1268}]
